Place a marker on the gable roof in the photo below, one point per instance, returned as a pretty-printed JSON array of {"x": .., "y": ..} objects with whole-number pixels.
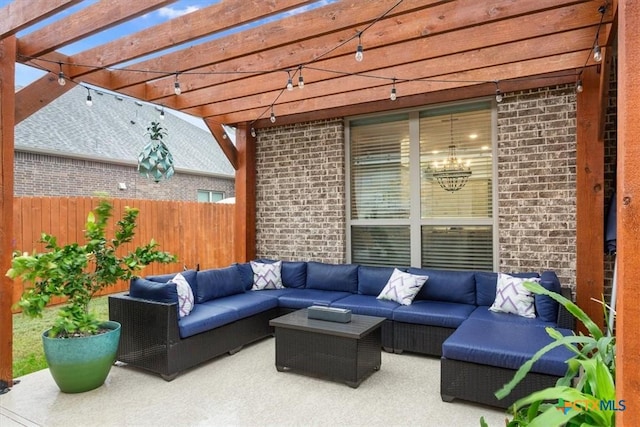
[{"x": 113, "y": 130}]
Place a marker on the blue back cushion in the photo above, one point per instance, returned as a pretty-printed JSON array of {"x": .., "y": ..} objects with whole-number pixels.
[
  {"x": 218, "y": 283},
  {"x": 246, "y": 274},
  {"x": 294, "y": 273},
  {"x": 332, "y": 277},
  {"x": 153, "y": 290},
  {"x": 546, "y": 308},
  {"x": 486, "y": 284},
  {"x": 189, "y": 275},
  {"x": 371, "y": 280},
  {"x": 447, "y": 285}
]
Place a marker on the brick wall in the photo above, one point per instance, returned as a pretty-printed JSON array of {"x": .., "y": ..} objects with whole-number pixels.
[
  {"x": 300, "y": 186},
  {"x": 301, "y": 201},
  {"x": 46, "y": 175},
  {"x": 537, "y": 181}
]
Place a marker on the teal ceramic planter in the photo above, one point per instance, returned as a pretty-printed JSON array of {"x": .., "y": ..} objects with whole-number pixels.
[{"x": 82, "y": 364}]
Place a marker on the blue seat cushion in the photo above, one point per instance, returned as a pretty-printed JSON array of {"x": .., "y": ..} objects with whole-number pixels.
[
  {"x": 332, "y": 277},
  {"x": 165, "y": 292},
  {"x": 367, "y": 305},
  {"x": 483, "y": 313},
  {"x": 505, "y": 345},
  {"x": 447, "y": 285},
  {"x": 302, "y": 298},
  {"x": 189, "y": 275},
  {"x": 371, "y": 280},
  {"x": 218, "y": 283},
  {"x": 204, "y": 317},
  {"x": 433, "y": 313},
  {"x": 246, "y": 304}
]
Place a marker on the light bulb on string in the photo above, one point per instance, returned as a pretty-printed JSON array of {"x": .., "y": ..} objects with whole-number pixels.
[
  {"x": 289, "y": 82},
  {"x": 579, "y": 87},
  {"x": 393, "y": 96},
  {"x": 253, "y": 132},
  {"x": 597, "y": 53},
  {"x": 359, "y": 49},
  {"x": 273, "y": 116},
  {"x": 162, "y": 113},
  {"x": 300, "y": 79},
  {"x": 498, "y": 92},
  {"x": 89, "y": 101},
  {"x": 61, "y": 80},
  {"x": 176, "y": 86}
]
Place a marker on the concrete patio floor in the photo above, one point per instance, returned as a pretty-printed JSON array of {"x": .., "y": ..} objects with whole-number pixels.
[{"x": 246, "y": 390}]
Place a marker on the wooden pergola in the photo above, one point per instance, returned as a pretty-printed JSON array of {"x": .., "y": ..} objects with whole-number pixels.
[{"x": 232, "y": 62}]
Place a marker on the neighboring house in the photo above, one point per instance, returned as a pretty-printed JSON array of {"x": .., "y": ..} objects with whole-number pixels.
[{"x": 71, "y": 149}]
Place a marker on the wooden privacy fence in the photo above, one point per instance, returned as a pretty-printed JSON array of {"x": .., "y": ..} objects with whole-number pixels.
[{"x": 198, "y": 233}]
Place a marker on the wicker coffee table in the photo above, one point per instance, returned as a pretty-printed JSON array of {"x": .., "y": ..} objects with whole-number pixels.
[{"x": 344, "y": 352}]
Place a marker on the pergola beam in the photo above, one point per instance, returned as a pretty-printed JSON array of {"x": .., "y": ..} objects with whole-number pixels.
[
  {"x": 84, "y": 23},
  {"x": 472, "y": 44},
  {"x": 21, "y": 14}
]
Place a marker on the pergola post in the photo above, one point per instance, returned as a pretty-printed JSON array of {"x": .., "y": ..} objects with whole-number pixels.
[
  {"x": 590, "y": 197},
  {"x": 628, "y": 213},
  {"x": 7, "y": 124},
  {"x": 245, "y": 232}
]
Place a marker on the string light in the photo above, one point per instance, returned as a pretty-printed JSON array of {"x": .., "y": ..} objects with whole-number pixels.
[
  {"x": 289, "y": 82},
  {"x": 300, "y": 78},
  {"x": 597, "y": 56},
  {"x": 359, "y": 49},
  {"x": 597, "y": 53},
  {"x": 253, "y": 132},
  {"x": 89, "y": 101},
  {"x": 176, "y": 86},
  {"x": 162, "y": 113},
  {"x": 498, "y": 93},
  {"x": 61, "y": 79}
]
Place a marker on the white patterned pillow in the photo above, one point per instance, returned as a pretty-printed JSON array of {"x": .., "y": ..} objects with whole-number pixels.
[
  {"x": 513, "y": 297},
  {"x": 266, "y": 276},
  {"x": 402, "y": 287},
  {"x": 185, "y": 295}
]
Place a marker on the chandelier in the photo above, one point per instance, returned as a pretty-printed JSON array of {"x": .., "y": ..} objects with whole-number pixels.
[{"x": 453, "y": 174}]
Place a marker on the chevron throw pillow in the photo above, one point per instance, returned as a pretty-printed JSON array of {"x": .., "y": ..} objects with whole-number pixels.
[
  {"x": 266, "y": 276},
  {"x": 185, "y": 295},
  {"x": 402, "y": 287},
  {"x": 512, "y": 297}
]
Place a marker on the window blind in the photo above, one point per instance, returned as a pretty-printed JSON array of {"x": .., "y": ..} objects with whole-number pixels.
[
  {"x": 381, "y": 245},
  {"x": 468, "y": 135},
  {"x": 457, "y": 248},
  {"x": 380, "y": 168}
]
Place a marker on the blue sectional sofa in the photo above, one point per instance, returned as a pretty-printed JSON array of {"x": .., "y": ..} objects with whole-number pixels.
[{"x": 449, "y": 318}]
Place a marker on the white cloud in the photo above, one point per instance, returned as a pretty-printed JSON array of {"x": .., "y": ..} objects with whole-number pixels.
[{"x": 170, "y": 13}]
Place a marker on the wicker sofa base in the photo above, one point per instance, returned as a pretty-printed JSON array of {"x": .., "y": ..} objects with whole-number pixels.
[
  {"x": 150, "y": 338},
  {"x": 478, "y": 383},
  {"x": 417, "y": 338}
]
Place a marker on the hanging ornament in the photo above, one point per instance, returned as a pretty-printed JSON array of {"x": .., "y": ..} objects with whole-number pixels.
[{"x": 155, "y": 161}]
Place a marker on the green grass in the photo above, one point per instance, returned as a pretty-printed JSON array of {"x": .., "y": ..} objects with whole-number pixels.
[{"x": 27, "y": 337}]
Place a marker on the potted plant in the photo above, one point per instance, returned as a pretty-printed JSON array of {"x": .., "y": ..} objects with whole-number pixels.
[
  {"x": 586, "y": 395},
  {"x": 79, "y": 348}
]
